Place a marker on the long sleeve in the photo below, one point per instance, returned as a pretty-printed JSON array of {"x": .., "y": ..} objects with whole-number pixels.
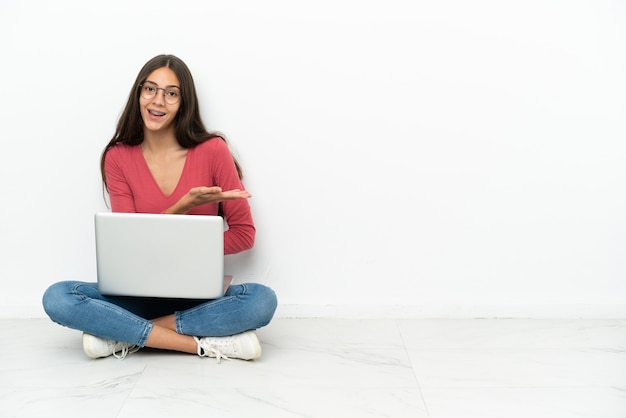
[
  {"x": 120, "y": 192},
  {"x": 241, "y": 231}
]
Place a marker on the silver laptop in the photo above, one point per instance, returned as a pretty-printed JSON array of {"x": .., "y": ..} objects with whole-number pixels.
[{"x": 152, "y": 255}]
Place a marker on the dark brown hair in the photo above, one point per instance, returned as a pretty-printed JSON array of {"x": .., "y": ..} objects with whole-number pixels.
[{"x": 190, "y": 130}]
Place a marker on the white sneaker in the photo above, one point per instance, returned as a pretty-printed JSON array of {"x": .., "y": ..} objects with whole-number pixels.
[
  {"x": 244, "y": 346},
  {"x": 96, "y": 347}
]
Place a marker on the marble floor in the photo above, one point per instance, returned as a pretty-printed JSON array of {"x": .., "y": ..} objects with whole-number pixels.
[{"x": 332, "y": 368}]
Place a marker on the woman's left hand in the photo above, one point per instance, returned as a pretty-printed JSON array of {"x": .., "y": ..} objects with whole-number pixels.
[{"x": 202, "y": 195}]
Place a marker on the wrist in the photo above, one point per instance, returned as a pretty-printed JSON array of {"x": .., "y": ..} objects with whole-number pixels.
[{"x": 177, "y": 209}]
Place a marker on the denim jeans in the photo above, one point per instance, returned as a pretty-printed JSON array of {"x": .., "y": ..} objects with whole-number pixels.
[{"x": 80, "y": 306}]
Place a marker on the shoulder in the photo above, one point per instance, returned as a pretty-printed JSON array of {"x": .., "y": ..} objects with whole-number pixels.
[
  {"x": 122, "y": 150},
  {"x": 215, "y": 143},
  {"x": 121, "y": 153},
  {"x": 212, "y": 147}
]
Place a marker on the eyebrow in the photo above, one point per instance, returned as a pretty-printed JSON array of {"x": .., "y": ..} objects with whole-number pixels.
[{"x": 152, "y": 82}]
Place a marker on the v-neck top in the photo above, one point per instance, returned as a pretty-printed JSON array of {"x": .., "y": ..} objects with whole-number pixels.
[{"x": 132, "y": 188}]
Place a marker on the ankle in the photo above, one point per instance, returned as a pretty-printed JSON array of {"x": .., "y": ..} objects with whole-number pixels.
[
  {"x": 168, "y": 321},
  {"x": 165, "y": 339}
]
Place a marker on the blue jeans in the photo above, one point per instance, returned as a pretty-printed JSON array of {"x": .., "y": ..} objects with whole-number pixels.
[{"x": 80, "y": 306}]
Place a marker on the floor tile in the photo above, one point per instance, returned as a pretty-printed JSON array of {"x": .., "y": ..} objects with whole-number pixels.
[
  {"x": 275, "y": 401},
  {"x": 526, "y": 402},
  {"x": 332, "y": 367},
  {"x": 513, "y": 333},
  {"x": 519, "y": 368}
]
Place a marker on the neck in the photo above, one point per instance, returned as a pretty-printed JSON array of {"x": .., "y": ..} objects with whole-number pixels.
[{"x": 159, "y": 141}]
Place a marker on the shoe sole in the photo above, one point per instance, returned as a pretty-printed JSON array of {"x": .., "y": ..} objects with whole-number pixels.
[
  {"x": 87, "y": 346},
  {"x": 255, "y": 345}
]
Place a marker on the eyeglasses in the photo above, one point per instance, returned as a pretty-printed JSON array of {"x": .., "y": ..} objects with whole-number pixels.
[{"x": 149, "y": 90}]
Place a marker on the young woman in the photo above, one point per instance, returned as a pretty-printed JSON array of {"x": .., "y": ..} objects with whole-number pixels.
[{"x": 163, "y": 160}]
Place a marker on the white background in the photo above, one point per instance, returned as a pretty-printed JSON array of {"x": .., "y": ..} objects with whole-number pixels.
[{"x": 420, "y": 158}]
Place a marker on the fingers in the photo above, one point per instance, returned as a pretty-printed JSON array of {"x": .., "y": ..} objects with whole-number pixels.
[
  {"x": 202, "y": 190},
  {"x": 235, "y": 194},
  {"x": 215, "y": 194}
]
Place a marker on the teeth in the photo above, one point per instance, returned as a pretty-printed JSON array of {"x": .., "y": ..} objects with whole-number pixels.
[{"x": 156, "y": 113}]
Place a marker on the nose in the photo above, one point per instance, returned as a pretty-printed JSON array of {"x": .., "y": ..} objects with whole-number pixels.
[{"x": 159, "y": 97}]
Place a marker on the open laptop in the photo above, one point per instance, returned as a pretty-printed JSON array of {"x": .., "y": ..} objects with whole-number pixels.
[{"x": 158, "y": 255}]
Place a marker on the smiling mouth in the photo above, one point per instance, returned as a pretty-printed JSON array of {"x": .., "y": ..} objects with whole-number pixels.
[{"x": 155, "y": 113}]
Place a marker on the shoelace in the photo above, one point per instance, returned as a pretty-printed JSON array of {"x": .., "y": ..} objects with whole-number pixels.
[
  {"x": 210, "y": 349},
  {"x": 121, "y": 350},
  {"x": 213, "y": 351}
]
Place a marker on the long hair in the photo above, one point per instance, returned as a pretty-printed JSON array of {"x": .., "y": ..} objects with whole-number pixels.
[{"x": 189, "y": 128}]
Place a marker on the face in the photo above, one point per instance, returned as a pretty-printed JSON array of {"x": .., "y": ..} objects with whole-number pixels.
[{"x": 157, "y": 112}]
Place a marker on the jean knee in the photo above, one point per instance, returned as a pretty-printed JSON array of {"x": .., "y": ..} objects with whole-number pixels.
[
  {"x": 267, "y": 302},
  {"x": 52, "y": 299},
  {"x": 57, "y": 300}
]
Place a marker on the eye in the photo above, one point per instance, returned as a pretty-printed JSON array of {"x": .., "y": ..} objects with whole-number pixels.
[
  {"x": 172, "y": 93},
  {"x": 148, "y": 88}
]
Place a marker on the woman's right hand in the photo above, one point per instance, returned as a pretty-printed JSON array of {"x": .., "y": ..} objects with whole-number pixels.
[{"x": 202, "y": 195}]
